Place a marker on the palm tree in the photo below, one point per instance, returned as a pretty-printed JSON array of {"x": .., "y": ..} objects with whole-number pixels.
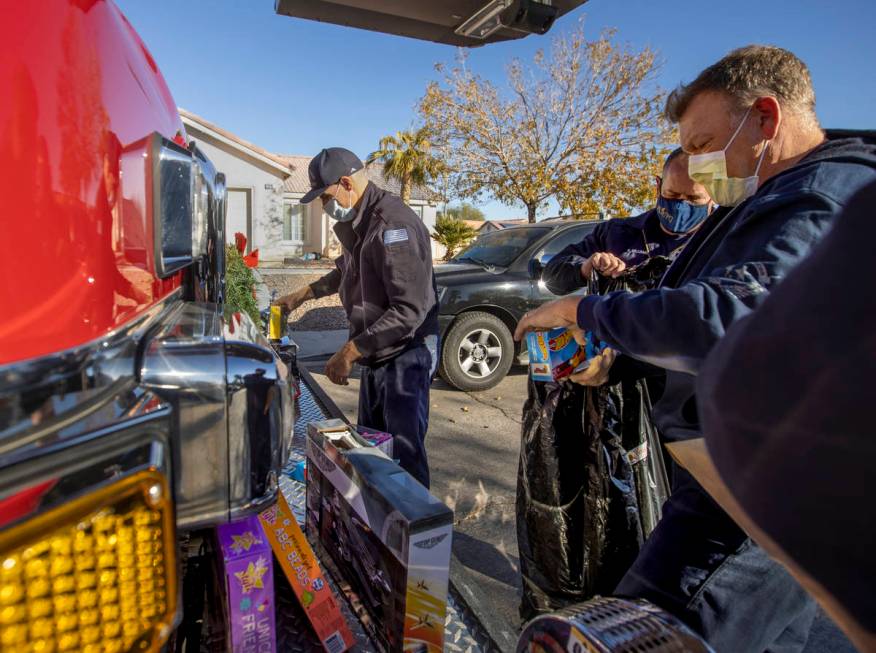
[
  {"x": 453, "y": 233},
  {"x": 407, "y": 157}
]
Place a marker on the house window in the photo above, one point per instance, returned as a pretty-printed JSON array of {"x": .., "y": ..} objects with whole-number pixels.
[
  {"x": 294, "y": 221},
  {"x": 418, "y": 210}
]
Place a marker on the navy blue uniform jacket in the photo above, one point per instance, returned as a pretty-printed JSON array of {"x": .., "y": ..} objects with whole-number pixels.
[
  {"x": 384, "y": 277},
  {"x": 787, "y": 403},
  {"x": 726, "y": 271},
  {"x": 633, "y": 240}
]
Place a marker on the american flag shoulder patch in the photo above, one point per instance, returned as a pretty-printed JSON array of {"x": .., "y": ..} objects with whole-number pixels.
[{"x": 392, "y": 236}]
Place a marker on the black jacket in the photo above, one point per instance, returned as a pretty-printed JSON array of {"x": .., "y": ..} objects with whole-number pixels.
[
  {"x": 726, "y": 271},
  {"x": 384, "y": 277},
  {"x": 633, "y": 240}
]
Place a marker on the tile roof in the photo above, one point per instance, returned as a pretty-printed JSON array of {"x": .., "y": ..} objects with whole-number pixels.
[
  {"x": 418, "y": 193},
  {"x": 504, "y": 224},
  {"x": 232, "y": 137},
  {"x": 298, "y": 180}
]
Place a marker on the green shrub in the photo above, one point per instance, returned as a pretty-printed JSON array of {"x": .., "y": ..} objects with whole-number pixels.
[
  {"x": 453, "y": 234},
  {"x": 239, "y": 285}
]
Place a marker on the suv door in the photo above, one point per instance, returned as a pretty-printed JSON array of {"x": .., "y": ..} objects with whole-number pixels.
[{"x": 539, "y": 294}]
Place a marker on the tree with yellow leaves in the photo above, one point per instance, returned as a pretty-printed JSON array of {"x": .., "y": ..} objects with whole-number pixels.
[{"x": 582, "y": 124}]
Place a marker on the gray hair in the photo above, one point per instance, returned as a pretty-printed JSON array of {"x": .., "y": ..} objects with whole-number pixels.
[
  {"x": 360, "y": 176},
  {"x": 749, "y": 73}
]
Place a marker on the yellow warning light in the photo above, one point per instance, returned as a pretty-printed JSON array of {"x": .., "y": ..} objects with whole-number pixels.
[{"x": 97, "y": 574}]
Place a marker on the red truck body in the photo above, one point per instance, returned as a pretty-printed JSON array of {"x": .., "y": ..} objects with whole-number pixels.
[
  {"x": 79, "y": 89},
  {"x": 137, "y": 411}
]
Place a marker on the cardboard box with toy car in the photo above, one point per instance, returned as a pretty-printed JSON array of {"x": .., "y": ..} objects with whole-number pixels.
[{"x": 387, "y": 535}]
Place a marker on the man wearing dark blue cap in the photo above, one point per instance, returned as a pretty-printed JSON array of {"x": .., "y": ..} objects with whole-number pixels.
[{"x": 387, "y": 287}]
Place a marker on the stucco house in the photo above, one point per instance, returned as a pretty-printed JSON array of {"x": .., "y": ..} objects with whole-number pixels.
[{"x": 264, "y": 189}]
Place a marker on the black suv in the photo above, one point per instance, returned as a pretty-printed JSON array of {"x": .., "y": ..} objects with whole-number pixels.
[{"x": 486, "y": 289}]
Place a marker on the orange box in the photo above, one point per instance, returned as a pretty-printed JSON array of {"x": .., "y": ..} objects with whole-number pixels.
[{"x": 301, "y": 567}]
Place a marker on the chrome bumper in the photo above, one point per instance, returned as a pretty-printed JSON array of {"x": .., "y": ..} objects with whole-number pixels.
[{"x": 232, "y": 411}]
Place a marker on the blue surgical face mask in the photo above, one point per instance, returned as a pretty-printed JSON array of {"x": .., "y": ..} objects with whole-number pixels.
[
  {"x": 679, "y": 216},
  {"x": 340, "y": 213}
]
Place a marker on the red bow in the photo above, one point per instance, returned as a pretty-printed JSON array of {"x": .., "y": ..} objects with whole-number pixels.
[{"x": 240, "y": 242}]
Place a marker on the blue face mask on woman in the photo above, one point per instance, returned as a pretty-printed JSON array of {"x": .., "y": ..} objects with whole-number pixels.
[{"x": 679, "y": 216}]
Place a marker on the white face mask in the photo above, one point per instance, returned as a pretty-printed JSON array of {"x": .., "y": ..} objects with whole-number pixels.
[
  {"x": 340, "y": 213},
  {"x": 710, "y": 170}
]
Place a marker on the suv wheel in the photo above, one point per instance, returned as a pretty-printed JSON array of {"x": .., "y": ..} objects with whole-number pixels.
[{"x": 477, "y": 352}]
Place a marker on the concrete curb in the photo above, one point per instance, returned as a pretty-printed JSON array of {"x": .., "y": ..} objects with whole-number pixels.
[
  {"x": 319, "y": 344},
  {"x": 295, "y": 271},
  {"x": 477, "y": 603}
]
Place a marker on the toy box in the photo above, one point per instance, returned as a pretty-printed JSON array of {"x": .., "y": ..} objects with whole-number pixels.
[
  {"x": 249, "y": 584},
  {"x": 555, "y": 354},
  {"x": 389, "y": 537},
  {"x": 300, "y": 565},
  {"x": 379, "y": 439}
]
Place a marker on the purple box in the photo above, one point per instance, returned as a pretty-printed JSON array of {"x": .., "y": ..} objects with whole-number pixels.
[
  {"x": 249, "y": 584},
  {"x": 378, "y": 439}
]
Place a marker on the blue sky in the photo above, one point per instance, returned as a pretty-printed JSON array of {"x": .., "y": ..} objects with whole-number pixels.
[{"x": 295, "y": 86}]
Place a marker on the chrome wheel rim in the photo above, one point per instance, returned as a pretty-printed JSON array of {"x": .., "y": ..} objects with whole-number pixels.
[{"x": 479, "y": 354}]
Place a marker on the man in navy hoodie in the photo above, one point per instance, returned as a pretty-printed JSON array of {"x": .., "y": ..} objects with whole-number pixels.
[
  {"x": 622, "y": 243},
  {"x": 748, "y": 122}
]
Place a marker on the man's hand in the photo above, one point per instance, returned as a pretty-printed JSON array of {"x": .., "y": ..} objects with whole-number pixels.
[
  {"x": 605, "y": 263},
  {"x": 293, "y": 300},
  {"x": 560, "y": 313},
  {"x": 597, "y": 371},
  {"x": 341, "y": 364}
]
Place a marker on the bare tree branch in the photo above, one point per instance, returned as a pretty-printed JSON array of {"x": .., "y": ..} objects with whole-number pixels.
[{"x": 581, "y": 124}]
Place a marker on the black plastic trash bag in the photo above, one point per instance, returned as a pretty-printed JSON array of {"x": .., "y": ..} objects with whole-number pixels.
[
  {"x": 644, "y": 453},
  {"x": 639, "y": 436},
  {"x": 578, "y": 525},
  {"x": 591, "y": 480}
]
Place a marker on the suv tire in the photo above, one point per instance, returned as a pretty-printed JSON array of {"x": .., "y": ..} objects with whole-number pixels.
[{"x": 477, "y": 352}]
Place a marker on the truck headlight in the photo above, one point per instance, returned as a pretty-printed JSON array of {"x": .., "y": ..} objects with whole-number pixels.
[
  {"x": 173, "y": 198},
  {"x": 180, "y": 205},
  {"x": 97, "y": 573},
  {"x": 200, "y": 210}
]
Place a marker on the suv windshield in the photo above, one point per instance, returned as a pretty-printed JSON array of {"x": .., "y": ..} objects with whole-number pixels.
[{"x": 500, "y": 248}]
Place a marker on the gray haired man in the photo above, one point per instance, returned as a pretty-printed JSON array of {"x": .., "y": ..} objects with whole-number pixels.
[{"x": 749, "y": 125}]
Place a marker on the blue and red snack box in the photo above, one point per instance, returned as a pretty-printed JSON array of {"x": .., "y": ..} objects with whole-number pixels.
[{"x": 555, "y": 354}]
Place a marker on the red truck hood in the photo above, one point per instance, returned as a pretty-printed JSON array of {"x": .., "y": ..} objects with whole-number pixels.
[{"x": 79, "y": 91}]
